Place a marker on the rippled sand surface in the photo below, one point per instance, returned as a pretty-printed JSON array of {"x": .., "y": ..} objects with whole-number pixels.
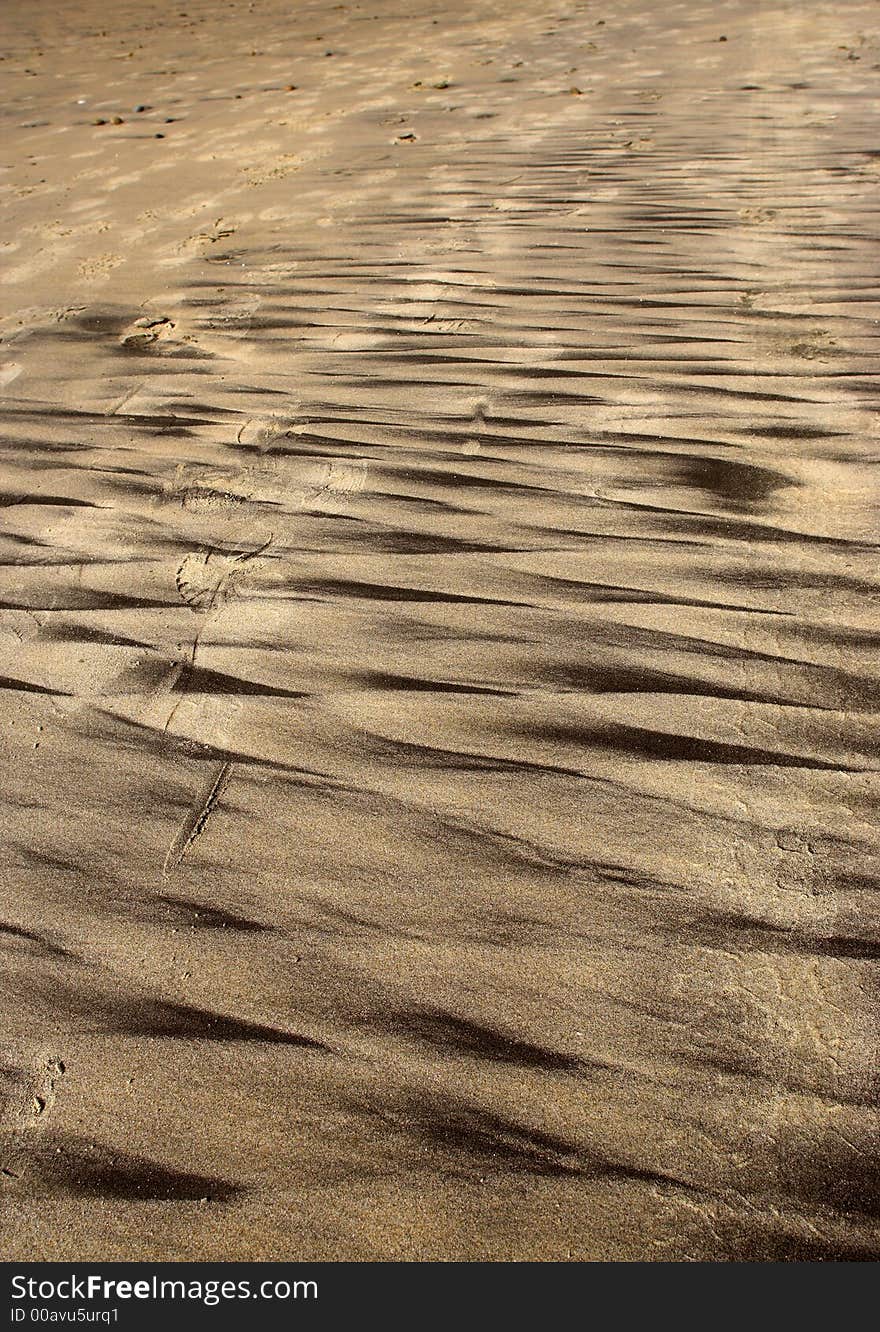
[{"x": 439, "y": 624}]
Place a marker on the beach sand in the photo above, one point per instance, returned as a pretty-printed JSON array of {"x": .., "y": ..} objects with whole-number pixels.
[{"x": 439, "y": 611}]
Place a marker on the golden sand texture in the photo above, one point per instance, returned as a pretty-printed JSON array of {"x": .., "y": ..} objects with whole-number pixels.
[{"x": 439, "y": 611}]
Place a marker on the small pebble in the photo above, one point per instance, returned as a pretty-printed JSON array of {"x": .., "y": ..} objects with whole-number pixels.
[
  {"x": 290, "y": 87},
  {"x": 138, "y": 109},
  {"x": 159, "y": 136},
  {"x": 117, "y": 120},
  {"x": 99, "y": 122}
]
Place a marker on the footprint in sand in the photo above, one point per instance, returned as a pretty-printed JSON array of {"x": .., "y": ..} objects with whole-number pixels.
[
  {"x": 209, "y": 490},
  {"x": 160, "y": 336},
  {"x": 201, "y": 241},
  {"x": 146, "y": 332},
  {"x": 757, "y": 215},
  {"x": 9, "y": 372},
  {"x": 473, "y": 444},
  {"x": 284, "y": 165},
  {"x": 37, "y": 1088},
  {"x": 262, "y": 433},
  {"x": 203, "y": 498},
  {"x": 205, "y": 580},
  {"x": 816, "y": 345},
  {"x": 342, "y": 477},
  {"x": 101, "y": 266},
  {"x": 231, "y": 317},
  {"x": 38, "y": 1091}
]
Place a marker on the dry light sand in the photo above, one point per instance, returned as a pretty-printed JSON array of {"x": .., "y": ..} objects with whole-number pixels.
[{"x": 439, "y": 622}]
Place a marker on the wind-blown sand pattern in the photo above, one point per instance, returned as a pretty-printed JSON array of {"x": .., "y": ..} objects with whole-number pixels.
[{"x": 439, "y": 616}]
